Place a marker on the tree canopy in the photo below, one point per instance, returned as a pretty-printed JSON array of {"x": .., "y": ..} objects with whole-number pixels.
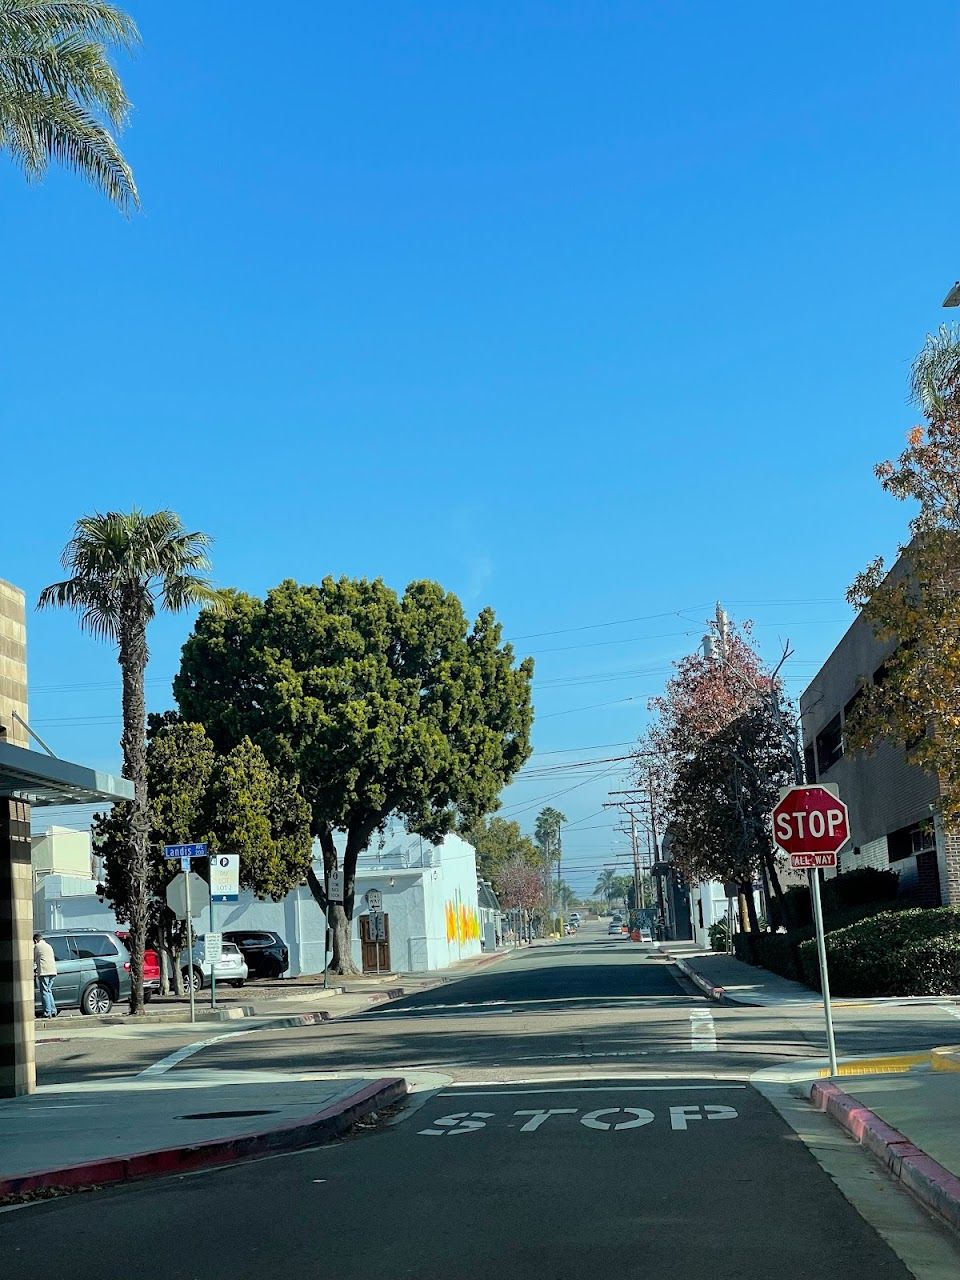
[
  {"x": 383, "y": 704},
  {"x": 498, "y": 842},
  {"x": 915, "y": 608}
]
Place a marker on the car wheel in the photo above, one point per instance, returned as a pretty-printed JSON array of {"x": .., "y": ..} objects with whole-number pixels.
[
  {"x": 237, "y": 984},
  {"x": 147, "y": 997},
  {"x": 96, "y": 1000},
  {"x": 193, "y": 978}
]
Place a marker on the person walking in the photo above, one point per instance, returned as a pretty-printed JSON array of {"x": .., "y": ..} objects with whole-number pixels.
[{"x": 45, "y": 967}]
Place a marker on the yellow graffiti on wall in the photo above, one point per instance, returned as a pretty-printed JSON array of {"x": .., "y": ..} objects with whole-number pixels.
[{"x": 462, "y": 925}]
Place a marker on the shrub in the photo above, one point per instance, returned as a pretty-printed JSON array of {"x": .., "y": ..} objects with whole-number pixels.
[
  {"x": 894, "y": 953},
  {"x": 863, "y": 887},
  {"x": 717, "y": 933}
]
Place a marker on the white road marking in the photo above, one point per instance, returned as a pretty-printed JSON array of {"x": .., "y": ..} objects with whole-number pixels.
[
  {"x": 641, "y": 1117},
  {"x": 703, "y": 1034},
  {"x": 946, "y": 1008},
  {"x": 507, "y": 1092},
  {"x": 538, "y": 1117},
  {"x": 172, "y": 1059},
  {"x": 459, "y": 1122},
  {"x": 679, "y": 1116}
]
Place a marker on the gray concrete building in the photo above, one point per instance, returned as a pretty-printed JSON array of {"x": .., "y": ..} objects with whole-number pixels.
[{"x": 892, "y": 803}]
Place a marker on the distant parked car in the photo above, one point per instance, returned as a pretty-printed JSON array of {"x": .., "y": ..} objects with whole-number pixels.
[
  {"x": 614, "y": 929},
  {"x": 93, "y": 970},
  {"x": 231, "y": 966},
  {"x": 151, "y": 966},
  {"x": 265, "y": 952}
]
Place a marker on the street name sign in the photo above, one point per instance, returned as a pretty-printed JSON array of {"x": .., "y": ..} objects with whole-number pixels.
[
  {"x": 224, "y": 877},
  {"x": 812, "y": 825},
  {"x": 184, "y": 850}
]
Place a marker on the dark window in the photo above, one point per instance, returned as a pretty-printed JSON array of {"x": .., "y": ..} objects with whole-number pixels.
[
  {"x": 880, "y": 675},
  {"x": 829, "y": 745},
  {"x": 810, "y": 764},
  {"x": 93, "y": 944},
  {"x": 919, "y": 837},
  {"x": 61, "y": 948}
]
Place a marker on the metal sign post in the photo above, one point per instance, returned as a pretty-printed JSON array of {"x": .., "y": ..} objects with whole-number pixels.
[
  {"x": 193, "y": 1006},
  {"x": 812, "y": 825},
  {"x": 824, "y": 975},
  {"x": 185, "y": 852}
]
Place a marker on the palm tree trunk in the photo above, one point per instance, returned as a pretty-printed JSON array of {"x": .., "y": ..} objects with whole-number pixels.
[{"x": 133, "y": 664}]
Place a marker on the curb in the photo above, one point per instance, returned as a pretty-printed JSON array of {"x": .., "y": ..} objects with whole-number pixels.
[
  {"x": 330, "y": 1122},
  {"x": 932, "y": 1184},
  {"x": 715, "y": 993}
]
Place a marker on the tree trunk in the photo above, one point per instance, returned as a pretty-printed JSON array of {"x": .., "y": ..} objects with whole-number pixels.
[
  {"x": 133, "y": 664},
  {"x": 748, "y": 908},
  {"x": 773, "y": 876}
]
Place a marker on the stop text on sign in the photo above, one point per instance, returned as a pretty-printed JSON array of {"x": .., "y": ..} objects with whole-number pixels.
[
  {"x": 789, "y": 827},
  {"x": 811, "y": 824}
]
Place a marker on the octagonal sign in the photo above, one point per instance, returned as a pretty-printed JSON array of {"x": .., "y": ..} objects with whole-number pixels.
[{"x": 811, "y": 824}]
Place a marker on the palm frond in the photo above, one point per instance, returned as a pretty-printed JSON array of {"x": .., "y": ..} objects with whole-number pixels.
[
  {"x": 123, "y": 564},
  {"x": 57, "y": 87},
  {"x": 935, "y": 376}
]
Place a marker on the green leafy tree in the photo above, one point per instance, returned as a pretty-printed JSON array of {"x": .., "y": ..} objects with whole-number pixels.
[
  {"x": 498, "y": 842},
  {"x": 235, "y": 803},
  {"x": 383, "y": 705},
  {"x": 915, "y": 608},
  {"x": 59, "y": 94},
  {"x": 123, "y": 567}
]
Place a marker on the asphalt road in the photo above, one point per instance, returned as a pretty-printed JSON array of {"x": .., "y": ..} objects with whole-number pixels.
[{"x": 599, "y": 1118}]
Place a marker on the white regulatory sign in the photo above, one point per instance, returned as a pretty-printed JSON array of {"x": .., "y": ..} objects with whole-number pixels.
[
  {"x": 212, "y": 948},
  {"x": 335, "y": 886},
  {"x": 374, "y": 899},
  {"x": 224, "y": 877}
]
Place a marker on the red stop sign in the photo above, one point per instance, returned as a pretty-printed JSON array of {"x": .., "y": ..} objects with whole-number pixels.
[{"x": 811, "y": 825}]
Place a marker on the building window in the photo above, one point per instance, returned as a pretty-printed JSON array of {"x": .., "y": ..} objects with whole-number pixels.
[
  {"x": 907, "y": 842},
  {"x": 810, "y": 763},
  {"x": 829, "y": 745}
]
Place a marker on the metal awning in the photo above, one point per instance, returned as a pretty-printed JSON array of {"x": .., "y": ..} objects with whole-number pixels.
[{"x": 46, "y": 780}]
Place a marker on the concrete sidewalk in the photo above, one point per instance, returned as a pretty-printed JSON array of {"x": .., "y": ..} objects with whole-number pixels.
[
  {"x": 724, "y": 977},
  {"x": 910, "y": 1120},
  {"x": 80, "y": 1136}
]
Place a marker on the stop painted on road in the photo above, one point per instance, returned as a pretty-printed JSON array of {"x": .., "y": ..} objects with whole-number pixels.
[{"x": 603, "y": 1119}]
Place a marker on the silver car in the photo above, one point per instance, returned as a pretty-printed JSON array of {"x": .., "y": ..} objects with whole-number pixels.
[{"x": 231, "y": 967}]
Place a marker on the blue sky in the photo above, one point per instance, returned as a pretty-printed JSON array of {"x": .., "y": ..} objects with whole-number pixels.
[{"x": 590, "y": 311}]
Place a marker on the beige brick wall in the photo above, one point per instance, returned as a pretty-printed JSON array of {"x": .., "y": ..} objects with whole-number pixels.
[{"x": 13, "y": 662}]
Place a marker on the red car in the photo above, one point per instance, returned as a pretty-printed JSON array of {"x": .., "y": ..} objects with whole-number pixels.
[{"x": 151, "y": 966}]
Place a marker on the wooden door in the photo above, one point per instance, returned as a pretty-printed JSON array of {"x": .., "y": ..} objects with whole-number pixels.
[{"x": 369, "y": 949}]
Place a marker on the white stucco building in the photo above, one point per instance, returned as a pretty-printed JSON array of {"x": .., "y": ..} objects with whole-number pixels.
[{"x": 429, "y": 895}]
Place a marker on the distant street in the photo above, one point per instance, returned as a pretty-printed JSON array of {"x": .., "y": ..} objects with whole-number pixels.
[{"x": 588, "y": 1112}]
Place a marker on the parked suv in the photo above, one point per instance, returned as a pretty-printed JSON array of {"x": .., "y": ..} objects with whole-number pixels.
[
  {"x": 231, "y": 966},
  {"x": 266, "y": 953},
  {"x": 93, "y": 970}
]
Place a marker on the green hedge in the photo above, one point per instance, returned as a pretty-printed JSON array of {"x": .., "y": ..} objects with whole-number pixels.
[
  {"x": 843, "y": 893},
  {"x": 903, "y": 953},
  {"x": 782, "y": 952}
]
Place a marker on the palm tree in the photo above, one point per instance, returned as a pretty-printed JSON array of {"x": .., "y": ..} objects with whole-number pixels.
[
  {"x": 59, "y": 95},
  {"x": 122, "y": 568},
  {"x": 605, "y": 882}
]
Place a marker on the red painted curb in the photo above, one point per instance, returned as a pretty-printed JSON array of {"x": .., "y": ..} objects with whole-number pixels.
[
  {"x": 929, "y": 1181},
  {"x": 289, "y": 1137}
]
